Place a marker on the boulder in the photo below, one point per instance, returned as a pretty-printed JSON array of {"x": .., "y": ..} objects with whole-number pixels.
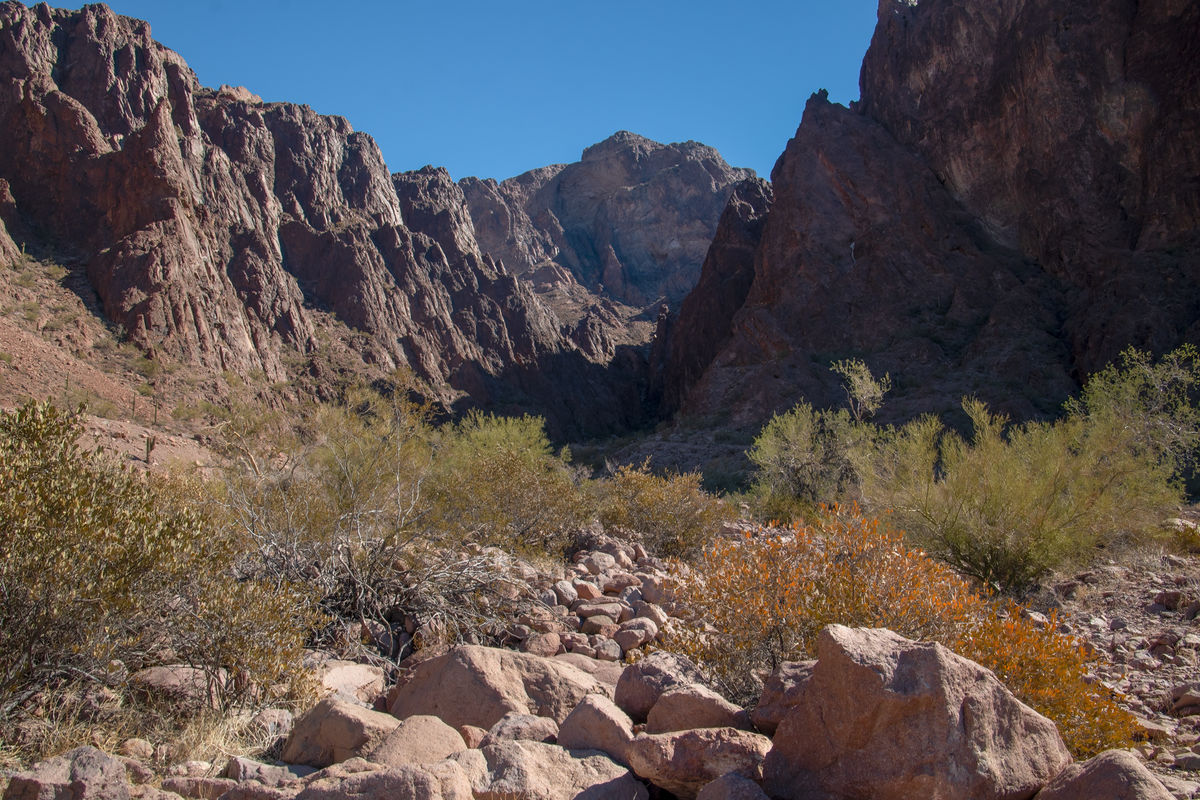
[
  {"x": 608, "y": 650},
  {"x": 334, "y": 730},
  {"x": 473, "y": 685},
  {"x": 84, "y": 773},
  {"x": 598, "y": 724},
  {"x": 691, "y": 706},
  {"x": 246, "y": 769},
  {"x": 606, "y": 672},
  {"x": 683, "y": 762},
  {"x": 565, "y": 592},
  {"x": 1114, "y": 773},
  {"x": 363, "y": 780},
  {"x": 731, "y": 787},
  {"x": 543, "y": 644},
  {"x": 642, "y": 683},
  {"x": 419, "y": 739},
  {"x": 780, "y": 692},
  {"x": 351, "y": 681},
  {"x": 536, "y": 771},
  {"x": 636, "y": 632},
  {"x": 524, "y": 727},
  {"x": 888, "y": 718}
]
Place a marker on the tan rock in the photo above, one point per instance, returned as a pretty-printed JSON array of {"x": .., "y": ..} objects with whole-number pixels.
[
  {"x": 780, "y": 692},
  {"x": 642, "y": 683},
  {"x": 136, "y": 748},
  {"x": 691, "y": 706},
  {"x": 598, "y": 724},
  {"x": 84, "y": 773},
  {"x": 605, "y": 672},
  {"x": 731, "y": 787},
  {"x": 888, "y": 718},
  {"x": 473, "y": 685},
  {"x": 535, "y": 771},
  {"x": 334, "y": 730},
  {"x": 543, "y": 644},
  {"x": 636, "y": 632},
  {"x": 352, "y": 681},
  {"x": 366, "y": 781},
  {"x": 684, "y": 761},
  {"x": 419, "y": 739},
  {"x": 525, "y": 727},
  {"x": 472, "y": 734},
  {"x": 1114, "y": 773}
]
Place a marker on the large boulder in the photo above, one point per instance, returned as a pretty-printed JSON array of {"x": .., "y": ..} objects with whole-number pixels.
[
  {"x": 419, "y": 739},
  {"x": 473, "y": 685},
  {"x": 598, "y": 724},
  {"x": 886, "y": 718},
  {"x": 84, "y": 773},
  {"x": 363, "y": 780},
  {"x": 1112, "y": 774},
  {"x": 334, "y": 730},
  {"x": 780, "y": 692},
  {"x": 536, "y": 771},
  {"x": 641, "y": 684},
  {"x": 692, "y": 706},
  {"x": 683, "y": 762}
]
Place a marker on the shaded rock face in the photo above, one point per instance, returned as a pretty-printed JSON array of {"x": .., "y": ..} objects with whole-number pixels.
[
  {"x": 1011, "y": 204},
  {"x": 631, "y": 220},
  {"x": 220, "y": 230}
]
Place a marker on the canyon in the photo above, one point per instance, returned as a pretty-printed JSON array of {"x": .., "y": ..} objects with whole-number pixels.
[{"x": 1013, "y": 200}]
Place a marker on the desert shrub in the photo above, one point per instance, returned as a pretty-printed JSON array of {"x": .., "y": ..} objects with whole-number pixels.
[
  {"x": 672, "y": 515},
  {"x": 97, "y": 565},
  {"x": 763, "y": 599},
  {"x": 1016, "y": 501},
  {"x": 805, "y": 457},
  {"x": 499, "y": 483}
]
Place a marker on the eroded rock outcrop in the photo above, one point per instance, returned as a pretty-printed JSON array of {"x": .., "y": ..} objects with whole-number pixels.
[{"x": 1010, "y": 205}]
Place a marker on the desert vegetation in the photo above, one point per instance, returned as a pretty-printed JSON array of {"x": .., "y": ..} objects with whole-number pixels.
[{"x": 364, "y": 526}]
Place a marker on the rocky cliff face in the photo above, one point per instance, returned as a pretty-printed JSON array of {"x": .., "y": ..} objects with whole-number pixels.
[
  {"x": 218, "y": 230},
  {"x": 1012, "y": 202},
  {"x": 631, "y": 220}
]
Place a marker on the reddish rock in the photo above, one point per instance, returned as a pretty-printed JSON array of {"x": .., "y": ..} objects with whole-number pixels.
[
  {"x": 691, "y": 706},
  {"x": 684, "y": 761},
  {"x": 535, "y": 771},
  {"x": 473, "y": 685},
  {"x": 598, "y": 724},
  {"x": 419, "y": 739},
  {"x": 888, "y": 718},
  {"x": 333, "y": 731},
  {"x": 1115, "y": 773},
  {"x": 524, "y": 727},
  {"x": 84, "y": 773},
  {"x": 781, "y": 691},
  {"x": 641, "y": 684}
]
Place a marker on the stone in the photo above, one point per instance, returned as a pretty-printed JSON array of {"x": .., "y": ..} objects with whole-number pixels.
[
  {"x": 1113, "y": 773},
  {"x": 609, "y": 650},
  {"x": 598, "y": 724},
  {"x": 684, "y": 761},
  {"x": 351, "y": 681},
  {"x": 525, "y": 727},
  {"x": 606, "y": 672},
  {"x": 334, "y": 730},
  {"x": 691, "y": 706},
  {"x": 418, "y": 739},
  {"x": 890, "y": 718},
  {"x": 136, "y": 748},
  {"x": 642, "y": 683},
  {"x": 363, "y": 780},
  {"x": 586, "y": 590},
  {"x": 543, "y": 644},
  {"x": 636, "y": 632},
  {"x": 565, "y": 592},
  {"x": 731, "y": 786},
  {"x": 595, "y": 609},
  {"x": 536, "y": 771},
  {"x": 472, "y": 685},
  {"x": 242, "y": 769},
  {"x": 651, "y": 612},
  {"x": 472, "y": 735},
  {"x": 780, "y": 693},
  {"x": 599, "y": 624},
  {"x": 84, "y": 773}
]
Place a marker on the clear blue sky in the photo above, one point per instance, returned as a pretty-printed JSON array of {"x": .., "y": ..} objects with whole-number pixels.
[{"x": 495, "y": 88}]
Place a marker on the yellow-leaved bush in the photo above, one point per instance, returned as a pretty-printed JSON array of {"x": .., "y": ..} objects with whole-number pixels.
[{"x": 763, "y": 599}]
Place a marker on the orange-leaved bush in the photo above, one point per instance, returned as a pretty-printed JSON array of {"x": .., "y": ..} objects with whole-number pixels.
[{"x": 757, "y": 601}]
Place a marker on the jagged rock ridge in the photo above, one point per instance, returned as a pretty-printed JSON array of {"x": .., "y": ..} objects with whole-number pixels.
[
  {"x": 1012, "y": 203},
  {"x": 220, "y": 231}
]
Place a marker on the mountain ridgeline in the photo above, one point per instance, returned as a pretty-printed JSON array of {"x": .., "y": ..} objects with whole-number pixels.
[{"x": 1013, "y": 201}]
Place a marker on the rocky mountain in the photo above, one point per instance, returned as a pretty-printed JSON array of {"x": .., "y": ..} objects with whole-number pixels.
[
  {"x": 631, "y": 220},
  {"x": 1012, "y": 202},
  {"x": 224, "y": 233}
]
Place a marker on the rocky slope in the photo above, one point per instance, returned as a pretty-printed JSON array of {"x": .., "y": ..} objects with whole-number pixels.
[{"x": 1011, "y": 204}]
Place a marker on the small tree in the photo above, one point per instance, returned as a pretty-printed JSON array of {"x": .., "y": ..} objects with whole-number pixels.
[{"x": 863, "y": 390}]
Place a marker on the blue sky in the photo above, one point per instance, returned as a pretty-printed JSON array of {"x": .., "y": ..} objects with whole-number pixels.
[{"x": 493, "y": 89}]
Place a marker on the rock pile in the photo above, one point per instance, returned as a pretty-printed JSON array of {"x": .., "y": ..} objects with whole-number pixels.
[{"x": 876, "y": 716}]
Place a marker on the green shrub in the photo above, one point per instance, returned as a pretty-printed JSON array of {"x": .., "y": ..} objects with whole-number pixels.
[
  {"x": 97, "y": 564},
  {"x": 805, "y": 457},
  {"x": 672, "y": 515},
  {"x": 1016, "y": 501}
]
